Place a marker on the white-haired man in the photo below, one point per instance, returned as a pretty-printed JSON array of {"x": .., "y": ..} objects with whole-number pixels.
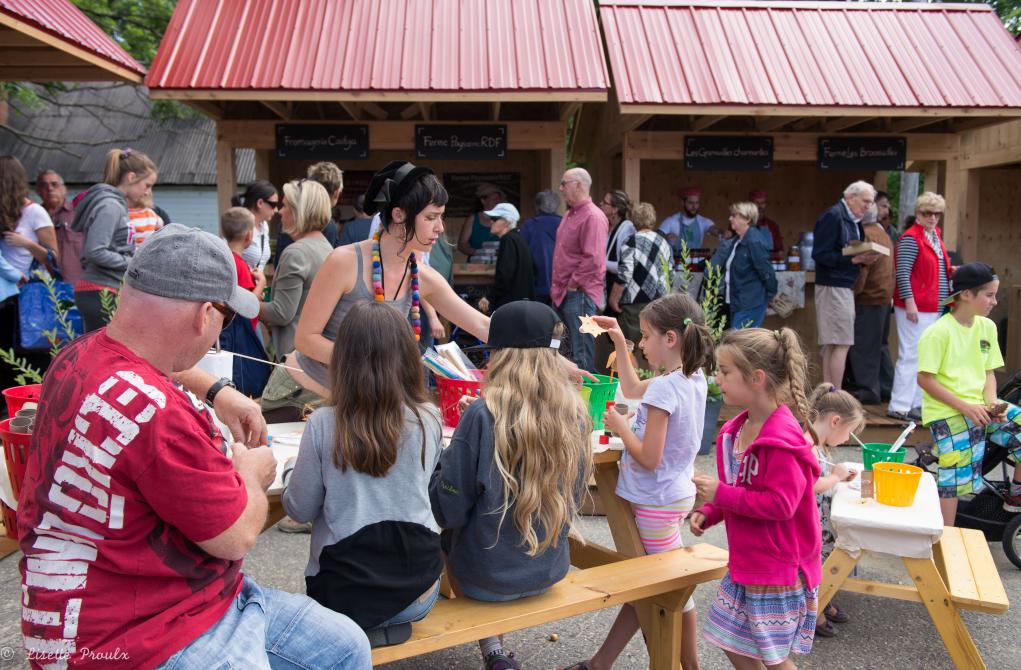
[
  {"x": 577, "y": 286},
  {"x": 836, "y": 274},
  {"x": 135, "y": 512}
]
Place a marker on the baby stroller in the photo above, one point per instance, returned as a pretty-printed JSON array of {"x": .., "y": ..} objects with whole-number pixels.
[{"x": 984, "y": 510}]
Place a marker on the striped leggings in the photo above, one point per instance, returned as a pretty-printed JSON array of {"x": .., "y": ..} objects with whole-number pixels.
[{"x": 659, "y": 526}]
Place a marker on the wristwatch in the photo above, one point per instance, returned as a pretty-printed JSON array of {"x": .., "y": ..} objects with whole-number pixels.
[{"x": 217, "y": 387}]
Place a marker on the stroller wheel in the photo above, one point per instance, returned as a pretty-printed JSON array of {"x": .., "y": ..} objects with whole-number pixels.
[{"x": 1012, "y": 541}]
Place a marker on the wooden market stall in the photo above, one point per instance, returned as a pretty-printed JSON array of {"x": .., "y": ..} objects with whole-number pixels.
[
  {"x": 801, "y": 99},
  {"x": 52, "y": 40},
  {"x": 477, "y": 91}
]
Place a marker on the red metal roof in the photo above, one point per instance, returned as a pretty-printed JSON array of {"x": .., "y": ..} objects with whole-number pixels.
[
  {"x": 66, "y": 22},
  {"x": 831, "y": 54},
  {"x": 386, "y": 46}
]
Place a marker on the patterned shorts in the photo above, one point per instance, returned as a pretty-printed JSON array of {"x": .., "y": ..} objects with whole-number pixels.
[{"x": 961, "y": 446}]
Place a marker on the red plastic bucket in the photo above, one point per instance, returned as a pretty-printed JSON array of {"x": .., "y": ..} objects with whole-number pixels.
[
  {"x": 17, "y": 396},
  {"x": 16, "y": 455},
  {"x": 451, "y": 390}
]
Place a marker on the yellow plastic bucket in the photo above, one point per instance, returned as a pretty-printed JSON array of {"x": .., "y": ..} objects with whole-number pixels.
[{"x": 896, "y": 483}]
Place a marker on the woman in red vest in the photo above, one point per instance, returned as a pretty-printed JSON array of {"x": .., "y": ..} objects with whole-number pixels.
[{"x": 923, "y": 282}]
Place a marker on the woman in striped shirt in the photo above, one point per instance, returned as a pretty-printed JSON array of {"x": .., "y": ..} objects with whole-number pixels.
[{"x": 923, "y": 275}]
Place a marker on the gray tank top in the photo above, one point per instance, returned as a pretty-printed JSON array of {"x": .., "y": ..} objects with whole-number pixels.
[{"x": 359, "y": 293}]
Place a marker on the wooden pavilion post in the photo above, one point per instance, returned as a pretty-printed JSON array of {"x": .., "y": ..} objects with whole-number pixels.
[{"x": 226, "y": 172}]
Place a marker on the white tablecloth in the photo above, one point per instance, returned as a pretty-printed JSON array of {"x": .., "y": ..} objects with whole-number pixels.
[
  {"x": 286, "y": 437},
  {"x": 901, "y": 531}
]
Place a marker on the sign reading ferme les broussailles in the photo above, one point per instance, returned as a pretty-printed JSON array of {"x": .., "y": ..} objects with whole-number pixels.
[
  {"x": 314, "y": 141},
  {"x": 460, "y": 142}
]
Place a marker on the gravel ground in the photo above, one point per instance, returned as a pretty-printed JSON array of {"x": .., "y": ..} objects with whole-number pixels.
[{"x": 881, "y": 634}]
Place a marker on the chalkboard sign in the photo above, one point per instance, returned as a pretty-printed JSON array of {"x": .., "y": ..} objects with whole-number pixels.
[
  {"x": 460, "y": 142},
  {"x": 323, "y": 142},
  {"x": 728, "y": 152},
  {"x": 862, "y": 153}
]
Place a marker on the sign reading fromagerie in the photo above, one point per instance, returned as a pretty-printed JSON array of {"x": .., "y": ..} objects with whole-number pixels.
[
  {"x": 728, "y": 152},
  {"x": 322, "y": 141},
  {"x": 862, "y": 153},
  {"x": 460, "y": 142}
]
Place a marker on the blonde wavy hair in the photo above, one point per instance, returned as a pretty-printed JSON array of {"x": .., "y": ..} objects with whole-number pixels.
[
  {"x": 310, "y": 203},
  {"x": 542, "y": 449}
]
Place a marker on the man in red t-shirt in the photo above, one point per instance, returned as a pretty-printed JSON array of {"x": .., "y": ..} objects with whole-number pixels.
[{"x": 136, "y": 512}]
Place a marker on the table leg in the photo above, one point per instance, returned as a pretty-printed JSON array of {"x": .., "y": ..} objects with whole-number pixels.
[
  {"x": 628, "y": 542},
  {"x": 834, "y": 573},
  {"x": 945, "y": 616},
  {"x": 665, "y": 642}
]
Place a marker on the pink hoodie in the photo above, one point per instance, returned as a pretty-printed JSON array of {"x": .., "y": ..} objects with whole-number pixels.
[{"x": 771, "y": 515}]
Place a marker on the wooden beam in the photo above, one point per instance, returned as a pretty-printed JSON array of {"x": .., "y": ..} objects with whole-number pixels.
[
  {"x": 844, "y": 123},
  {"x": 210, "y": 109},
  {"x": 105, "y": 70},
  {"x": 768, "y": 124},
  {"x": 426, "y": 109},
  {"x": 805, "y": 124},
  {"x": 351, "y": 108},
  {"x": 494, "y": 110},
  {"x": 631, "y": 163},
  {"x": 278, "y": 108},
  {"x": 567, "y": 109},
  {"x": 904, "y": 125},
  {"x": 263, "y": 161},
  {"x": 411, "y": 111},
  {"x": 705, "y": 122},
  {"x": 374, "y": 110},
  {"x": 971, "y": 124},
  {"x": 226, "y": 173}
]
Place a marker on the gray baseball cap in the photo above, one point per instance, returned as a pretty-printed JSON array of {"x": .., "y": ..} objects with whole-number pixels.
[{"x": 189, "y": 264}]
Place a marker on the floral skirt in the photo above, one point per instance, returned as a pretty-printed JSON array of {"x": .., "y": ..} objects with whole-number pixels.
[{"x": 764, "y": 622}]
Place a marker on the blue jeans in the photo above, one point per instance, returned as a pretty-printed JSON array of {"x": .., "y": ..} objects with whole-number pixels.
[
  {"x": 747, "y": 318},
  {"x": 268, "y": 629},
  {"x": 583, "y": 347},
  {"x": 416, "y": 611}
]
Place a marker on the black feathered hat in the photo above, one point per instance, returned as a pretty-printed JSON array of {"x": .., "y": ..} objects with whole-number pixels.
[{"x": 391, "y": 183}]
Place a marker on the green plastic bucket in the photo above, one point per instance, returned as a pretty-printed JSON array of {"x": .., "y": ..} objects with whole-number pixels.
[
  {"x": 874, "y": 452},
  {"x": 600, "y": 392}
]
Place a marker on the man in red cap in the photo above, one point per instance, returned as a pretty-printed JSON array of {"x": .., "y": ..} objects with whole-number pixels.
[
  {"x": 772, "y": 236},
  {"x": 687, "y": 225}
]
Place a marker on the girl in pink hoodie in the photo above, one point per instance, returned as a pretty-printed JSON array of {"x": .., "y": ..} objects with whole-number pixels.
[{"x": 765, "y": 607}]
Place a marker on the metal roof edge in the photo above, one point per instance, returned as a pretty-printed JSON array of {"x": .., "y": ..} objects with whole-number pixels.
[
  {"x": 818, "y": 110},
  {"x": 794, "y": 4},
  {"x": 445, "y": 95}
]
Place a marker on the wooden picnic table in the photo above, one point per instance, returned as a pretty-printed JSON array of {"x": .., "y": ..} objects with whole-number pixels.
[{"x": 951, "y": 568}]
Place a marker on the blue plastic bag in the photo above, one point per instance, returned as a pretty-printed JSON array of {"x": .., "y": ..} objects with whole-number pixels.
[{"x": 37, "y": 313}]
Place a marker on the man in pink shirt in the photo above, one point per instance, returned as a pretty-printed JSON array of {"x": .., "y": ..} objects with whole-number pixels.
[{"x": 579, "y": 263}]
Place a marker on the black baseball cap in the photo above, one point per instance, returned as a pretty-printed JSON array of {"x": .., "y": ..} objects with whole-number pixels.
[
  {"x": 522, "y": 324},
  {"x": 969, "y": 276}
]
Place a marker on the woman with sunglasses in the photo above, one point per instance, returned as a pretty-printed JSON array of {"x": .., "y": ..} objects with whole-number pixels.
[
  {"x": 923, "y": 283},
  {"x": 303, "y": 216},
  {"x": 263, "y": 201}
]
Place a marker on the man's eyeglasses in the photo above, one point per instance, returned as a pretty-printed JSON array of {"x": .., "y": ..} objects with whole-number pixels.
[
  {"x": 227, "y": 312},
  {"x": 565, "y": 182},
  {"x": 926, "y": 213}
]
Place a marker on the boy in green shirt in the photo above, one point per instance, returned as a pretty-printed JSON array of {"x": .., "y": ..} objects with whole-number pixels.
[{"x": 956, "y": 358}]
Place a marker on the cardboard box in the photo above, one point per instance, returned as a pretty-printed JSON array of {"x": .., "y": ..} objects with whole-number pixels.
[{"x": 860, "y": 247}]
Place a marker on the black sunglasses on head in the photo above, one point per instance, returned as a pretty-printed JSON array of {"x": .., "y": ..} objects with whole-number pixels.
[{"x": 227, "y": 312}]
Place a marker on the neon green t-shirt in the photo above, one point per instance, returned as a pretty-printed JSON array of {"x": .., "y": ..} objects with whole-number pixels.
[{"x": 960, "y": 358}]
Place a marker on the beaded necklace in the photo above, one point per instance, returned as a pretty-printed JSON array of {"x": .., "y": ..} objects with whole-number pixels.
[{"x": 377, "y": 283}]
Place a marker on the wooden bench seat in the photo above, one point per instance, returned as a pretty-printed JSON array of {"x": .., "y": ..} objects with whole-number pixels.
[
  {"x": 967, "y": 568},
  {"x": 666, "y": 579}
]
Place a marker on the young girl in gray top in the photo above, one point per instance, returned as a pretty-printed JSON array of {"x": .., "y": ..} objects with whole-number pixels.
[{"x": 362, "y": 479}]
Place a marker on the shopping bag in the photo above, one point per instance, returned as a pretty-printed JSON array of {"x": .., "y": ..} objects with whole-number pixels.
[{"x": 37, "y": 312}]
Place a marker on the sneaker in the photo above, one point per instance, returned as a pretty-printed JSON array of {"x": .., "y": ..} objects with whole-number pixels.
[
  {"x": 1011, "y": 503},
  {"x": 899, "y": 416},
  {"x": 498, "y": 661},
  {"x": 915, "y": 414},
  {"x": 289, "y": 525}
]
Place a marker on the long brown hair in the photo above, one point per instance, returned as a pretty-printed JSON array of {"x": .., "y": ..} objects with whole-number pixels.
[
  {"x": 376, "y": 374},
  {"x": 680, "y": 313},
  {"x": 13, "y": 192},
  {"x": 778, "y": 353},
  {"x": 541, "y": 442}
]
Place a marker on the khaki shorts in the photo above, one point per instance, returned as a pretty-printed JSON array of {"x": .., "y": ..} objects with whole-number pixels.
[{"x": 834, "y": 315}]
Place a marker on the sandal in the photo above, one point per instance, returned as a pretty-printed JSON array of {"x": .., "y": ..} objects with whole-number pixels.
[
  {"x": 825, "y": 629},
  {"x": 835, "y": 614},
  {"x": 580, "y": 665}
]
